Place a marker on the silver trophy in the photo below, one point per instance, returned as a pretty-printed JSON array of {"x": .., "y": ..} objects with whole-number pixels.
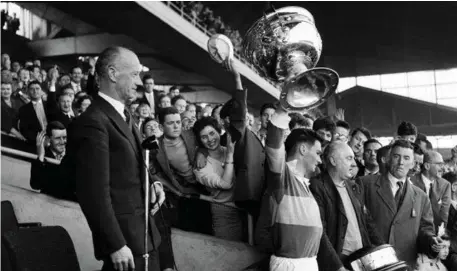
[{"x": 285, "y": 47}]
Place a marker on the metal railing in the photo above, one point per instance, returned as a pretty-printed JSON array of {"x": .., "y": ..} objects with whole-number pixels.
[{"x": 195, "y": 22}]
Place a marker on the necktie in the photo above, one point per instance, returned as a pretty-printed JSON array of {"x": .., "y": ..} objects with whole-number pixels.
[
  {"x": 399, "y": 193},
  {"x": 127, "y": 116},
  {"x": 41, "y": 115},
  {"x": 430, "y": 191}
]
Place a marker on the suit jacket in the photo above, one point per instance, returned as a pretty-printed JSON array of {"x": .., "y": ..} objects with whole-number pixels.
[
  {"x": 164, "y": 171},
  {"x": 440, "y": 198},
  {"x": 62, "y": 118},
  {"x": 333, "y": 214},
  {"x": 9, "y": 117},
  {"x": 452, "y": 228},
  {"x": 249, "y": 155},
  {"x": 409, "y": 228},
  {"x": 29, "y": 125},
  {"x": 51, "y": 179},
  {"x": 106, "y": 163}
]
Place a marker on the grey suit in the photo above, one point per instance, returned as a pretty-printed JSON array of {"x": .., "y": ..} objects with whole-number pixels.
[
  {"x": 408, "y": 227},
  {"x": 440, "y": 198}
]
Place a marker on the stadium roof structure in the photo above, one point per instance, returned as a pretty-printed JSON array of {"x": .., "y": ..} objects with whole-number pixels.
[{"x": 382, "y": 112}]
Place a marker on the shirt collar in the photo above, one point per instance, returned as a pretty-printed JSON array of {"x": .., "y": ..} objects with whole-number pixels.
[
  {"x": 426, "y": 181},
  {"x": 393, "y": 180},
  {"x": 115, "y": 103},
  {"x": 58, "y": 156},
  {"x": 292, "y": 166},
  {"x": 74, "y": 83},
  {"x": 367, "y": 172},
  {"x": 37, "y": 102}
]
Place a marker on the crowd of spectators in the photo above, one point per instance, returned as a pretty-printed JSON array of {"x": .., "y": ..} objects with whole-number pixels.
[
  {"x": 215, "y": 152},
  {"x": 203, "y": 15}
]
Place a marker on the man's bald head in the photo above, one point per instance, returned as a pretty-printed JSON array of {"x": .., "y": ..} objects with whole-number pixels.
[
  {"x": 433, "y": 166},
  {"x": 432, "y": 156},
  {"x": 335, "y": 148},
  {"x": 111, "y": 56},
  {"x": 118, "y": 70}
]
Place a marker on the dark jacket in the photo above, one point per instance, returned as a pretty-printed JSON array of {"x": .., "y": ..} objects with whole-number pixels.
[
  {"x": 333, "y": 214},
  {"x": 51, "y": 178},
  {"x": 249, "y": 155},
  {"x": 162, "y": 165},
  {"x": 440, "y": 198},
  {"x": 61, "y": 117},
  {"x": 10, "y": 115},
  {"x": 408, "y": 229},
  {"x": 106, "y": 162},
  {"x": 29, "y": 125}
]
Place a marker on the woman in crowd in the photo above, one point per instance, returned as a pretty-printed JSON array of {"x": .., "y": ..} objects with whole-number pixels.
[
  {"x": 10, "y": 109},
  {"x": 218, "y": 176}
]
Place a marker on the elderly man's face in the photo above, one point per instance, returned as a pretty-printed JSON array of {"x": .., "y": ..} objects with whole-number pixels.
[
  {"x": 435, "y": 167},
  {"x": 343, "y": 161},
  {"x": 128, "y": 76}
]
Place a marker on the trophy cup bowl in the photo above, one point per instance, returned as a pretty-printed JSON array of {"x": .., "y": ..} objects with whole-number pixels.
[{"x": 285, "y": 46}]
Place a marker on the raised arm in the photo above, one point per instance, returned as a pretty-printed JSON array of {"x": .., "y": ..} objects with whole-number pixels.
[{"x": 274, "y": 146}]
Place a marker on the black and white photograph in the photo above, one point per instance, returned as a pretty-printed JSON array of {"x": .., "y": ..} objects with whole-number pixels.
[{"x": 228, "y": 136}]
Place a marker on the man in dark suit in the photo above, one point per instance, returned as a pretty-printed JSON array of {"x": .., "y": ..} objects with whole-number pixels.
[
  {"x": 150, "y": 97},
  {"x": 47, "y": 174},
  {"x": 106, "y": 161},
  {"x": 438, "y": 189},
  {"x": 345, "y": 219},
  {"x": 401, "y": 211},
  {"x": 33, "y": 116}
]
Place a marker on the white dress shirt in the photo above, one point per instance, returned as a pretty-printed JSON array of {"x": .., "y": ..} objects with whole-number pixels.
[
  {"x": 393, "y": 183},
  {"x": 115, "y": 103},
  {"x": 427, "y": 183},
  {"x": 76, "y": 87},
  {"x": 150, "y": 98}
]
